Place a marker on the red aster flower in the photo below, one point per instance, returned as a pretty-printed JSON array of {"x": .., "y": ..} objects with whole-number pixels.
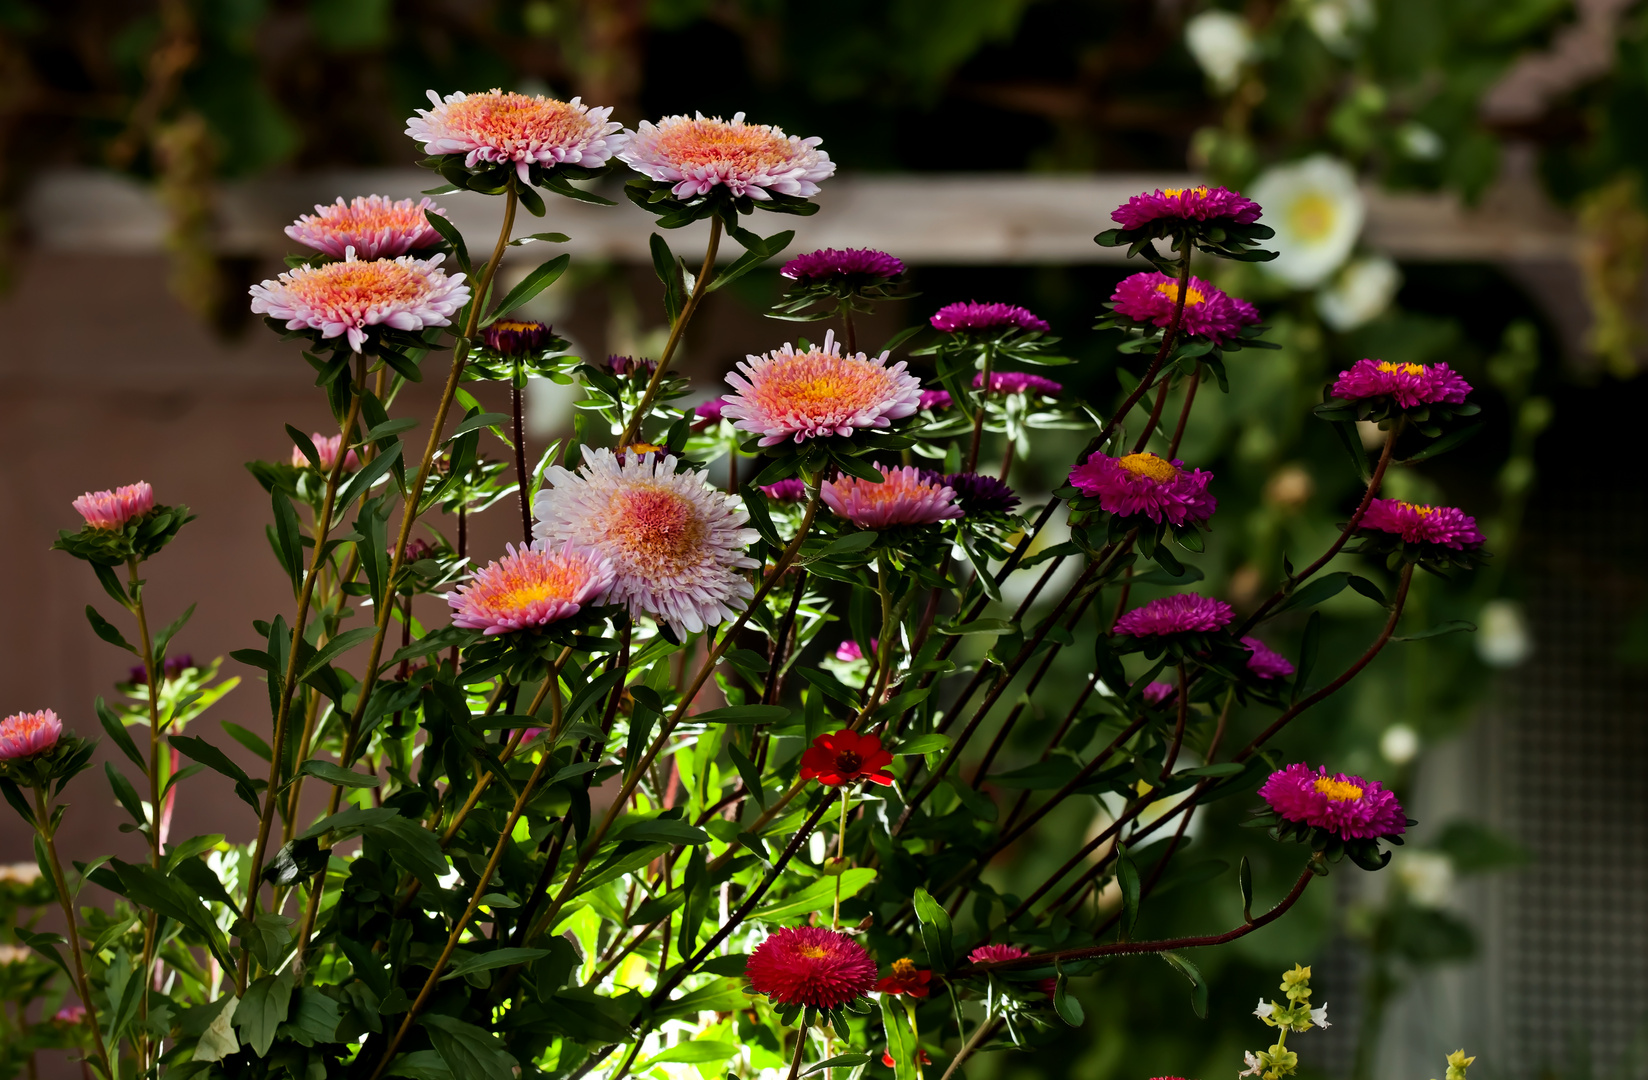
[
  {"x": 905, "y": 979},
  {"x": 811, "y": 965},
  {"x": 921, "y": 1056},
  {"x": 840, "y": 757}
]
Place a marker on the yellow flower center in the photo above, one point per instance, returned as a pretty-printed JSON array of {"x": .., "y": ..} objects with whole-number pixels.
[
  {"x": 741, "y": 147},
  {"x": 1338, "y": 790},
  {"x": 1170, "y": 289},
  {"x": 498, "y": 119},
  {"x": 1312, "y": 216},
  {"x": 516, "y": 590},
  {"x": 812, "y": 952},
  {"x": 512, "y": 326},
  {"x": 1390, "y": 368},
  {"x": 1148, "y": 464},
  {"x": 1175, "y": 192},
  {"x": 905, "y": 968},
  {"x": 1418, "y": 508}
]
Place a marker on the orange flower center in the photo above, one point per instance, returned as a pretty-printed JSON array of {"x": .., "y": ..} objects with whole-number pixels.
[
  {"x": 686, "y": 143},
  {"x": 1338, "y": 790},
  {"x": 512, "y": 326},
  {"x": 1175, "y": 192},
  {"x": 370, "y": 218},
  {"x": 812, "y": 952},
  {"x": 359, "y": 285},
  {"x": 517, "y": 588},
  {"x": 816, "y": 384},
  {"x": 1390, "y": 368},
  {"x": 657, "y": 525},
  {"x": 1193, "y": 295},
  {"x": 904, "y": 969},
  {"x": 1148, "y": 464},
  {"x": 1421, "y": 510},
  {"x": 499, "y": 119}
]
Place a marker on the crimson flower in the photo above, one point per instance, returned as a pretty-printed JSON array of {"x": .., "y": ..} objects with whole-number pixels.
[
  {"x": 811, "y": 965},
  {"x": 921, "y": 1056},
  {"x": 905, "y": 979},
  {"x": 840, "y": 757}
]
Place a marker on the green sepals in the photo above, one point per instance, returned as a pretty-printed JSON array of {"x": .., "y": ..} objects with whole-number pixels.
[
  {"x": 1397, "y": 552},
  {"x": 1224, "y": 237},
  {"x": 1327, "y": 845},
  {"x": 1429, "y": 420},
  {"x": 674, "y": 212},
  {"x": 53, "y": 767},
  {"x": 494, "y": 178},
  {"x": 139, "y": 538},
  {"x": 810, "y": 301},
  {"x": 550, "y": 361}
]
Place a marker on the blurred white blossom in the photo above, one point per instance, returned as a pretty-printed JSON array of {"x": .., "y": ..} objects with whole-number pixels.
[
  {"x": 1419, "y": 142},
  {"x": 1221, "y": 43},
  {"x": 1360, "y": 293},
  {"x": 1427, "y": 876},
  {"x": 1337, "y": 21},
  {"x": 1317, "y": 211},
  {"x": 1399, "y": 744},
  {"x": 1502, "y": 638}
]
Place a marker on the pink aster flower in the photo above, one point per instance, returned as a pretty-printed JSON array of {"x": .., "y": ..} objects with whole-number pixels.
[
  {"x": 1208, "y": 311},
  {"x": 789, "y": 395},
  {"x": 812, "y": 966},
  {"x": 934, "y": 399},
  {"x": 344, "y": 298},
  {"x": 1181, "y": 613},
  {"x": 849, "y": 651},
  {"x": 1409, "y": 385},
  {"x": 697, "y": 154},
  {"x": 973, "y": 315},
  {"x": 1415, "y": 523},
  {"x": 376, "y": 227},
  {"x": 1018, "y": 382},
  {"x": 675, "y": 543},
  {"x": 1200, "y": 203},
  {"x": 1157, "y": 487},
  {"x": 112, "y": 509},
  {"x": 530, "y": 587},
  {"x": 1353, "y": 808},
  {"x": 1265, "y": 661},
  {"x": 710, "y": 411},
  {"x": 792, "y": 490},
  {"x": 852, "y": 265},
  {"x": 496, "y": 127},
  {"x": 1157, "y": 692},
  {"x": 70, "y": 1015},
  {"x": 327, "y": 447},
  {"x": 995, "y": 954},
  {"x": 907, "y": 496},
  {"x": 25, "y": 734}
]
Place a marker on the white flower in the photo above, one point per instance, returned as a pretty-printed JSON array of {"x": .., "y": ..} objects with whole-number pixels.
[
  {"x": 1419, "y": 142},
  {"x": 1264, "y": 1010},
  {"x": 1504, "y": 640},
  {"x": 11, "y": 954},
  {"x": 1399, "y": 744},
  {"x": 1360, "y": 294},
  {"x": 23, "y": 873},
  {"x": 1221, "y": 42},
  {"x": 1427, "y": 876},
  {"x": 1319, "y": 1017},
  {"x": 1336, "y": 20},
  {"x": 1317, "y": 210},
  {"x": 1253, "y": 1064}
]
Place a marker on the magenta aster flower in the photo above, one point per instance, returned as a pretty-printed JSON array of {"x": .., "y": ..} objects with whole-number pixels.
[
  {"x": 517, "y": 337},
  {"x": 676, "y": 544},
  {"x": 697, "y": 155},
  {"x": 25, "y": 734},
  {"x": 710, "y": 411},
  {"x": 906, "y": 496},
  {"x": 70, "y": 1015},
  {"x": 376, "y": 227},
  {"x": 1208, "y": 311},
  {"x": 529, "y": 587},
  {"x": 1018, "y": 382},
  {"x": 811, "y": 965},
  {"x": 791, "y": 490},
  {"x": 631, "y": 367},
  {"x": 1265, "y": 661},
  {"x": 789, "y": 395},
  {"x": 973, "y": 315},
  {"x": 1181, "y": 613},
  {"x": 1146, "y": 484},
  {"x": 934, "y": 399},
  {"x": 1200, "y": 203},
  {"x": 497, "y": 128},
  {"x": 1409, "y": 385},
  {"x": 852, "y": 265},
  {"x": 1443, "y": 525},
  {"x": 327, "y": 447},
  {"x": 345, "y": 298},
  {"x": 980, "y": 494},
  {"x": 1157, "y": 692},
  {"x": 850, "y": 651},
  {"x": 995, "y": 954},
  {"x": 1349, "y": 806},
  {"x": 112, "y": 509}
]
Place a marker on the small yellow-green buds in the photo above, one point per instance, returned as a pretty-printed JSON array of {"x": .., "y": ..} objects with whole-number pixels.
[
  {"x": 1457, "y": 1064},
  {"x": 1296, "y": 1016}
]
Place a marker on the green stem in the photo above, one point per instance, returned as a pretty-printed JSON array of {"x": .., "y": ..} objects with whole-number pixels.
[
  {"x": 151, "y": 926},
  {"x": 60, "y": 884},
  {"x": 700, "y": 287}
]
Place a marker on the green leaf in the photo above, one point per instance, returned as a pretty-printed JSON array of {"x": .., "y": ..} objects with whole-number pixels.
[
  {"x": 164, "y": 638},
  {"x": 851, "y": 543},
  {"x": 531, "y": 285},
  {"x": 817, "y": 896},
  {"x": 337, "y": 646},
  {"x": 1127, "y": 877},
  {"x": 262, "y": 1009},
  {"x": 362, "y": 481},
  {"x": 127, "y": 795},
  {"x": 313, "y": 1019},
  {"x": 545, "y": 237},
  {"x": 667, "y": 830},
  {"x": 1452, "y": 626},
  {"x": 246, "y": 738},
  {"x": 118, "y": 733},
  {"x": 497, "y": 958},
  {"x": 840, "y": 1061},
  {"x": 1068, "y": 1008},
  {"x": 1446, "y": 443},
  {"x": 288, "y": 535},
  {"x": 449, "y": 232},
  {"x": 901, "y": 1041},
  {"x": 467, "y": 1050},
  {"x": 936, "y": 932},
  {"x": 388, "y": 428},
  {"x": 980, "y": 626},
  {"x": 476, "y": 422},
  {"x": 748, "y": 772},
  {"x": 1308, "y": 649},
  {"x": 1316, "y": 591},
  {"x": 923, "y": 744},
  {"x": 695, "y": 1052},
  {"x": 106, "y": 630},
  {"x": 1244, "y": 880},
  {"x": 743, "y": 714},
  {"x": 1198, "y": 985},
  {"x": 336, "y": 775}
]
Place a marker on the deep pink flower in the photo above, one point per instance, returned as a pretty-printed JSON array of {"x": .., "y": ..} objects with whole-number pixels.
[
  {"x": 525, "y": 130},
  {"x": 1444, "y": 525},
  {"x": 25, "y": 734},
  {"x": 710, "y": 410},
  {"x": 980, "y": 494},
  {"x": 529, "y": 587},
  {"x": 905, "y": 497},
  {"x": 516, "y": 337},
  {"x": 376, "y": 227},
  {"x": 1200, "y": 203},
  {"x": 934, "y": 399},
  {"x": 995, "y": 954},
  {"x": 1157, "y": 692},
  {"x": 973, "y": 315},
  {"x": 811, "y": 965},
  {"x": 1208, "y": 311},
  {"x": 70, "y": 1015},
  {"x": 789, "y": 395},
  {"x": 792, "y": 490},
  {"x": 343, "y": 299},
  {"x": 1265, "y": 661},
  {"x": 849, "y": 651},
  {"x": 1181, "y": 613},
  {"x": 1146, "y": 484},
  {"x": 1353, "y": 808},
  {"x": 1018, "y": 382},
  {"x": 327, "y": 447},
  {"x": 854, "y": 265},
  {"x": 699, "y": 154},
  {"x": 112, "y": 509},
  {"x": 1409, "y": 385}
]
